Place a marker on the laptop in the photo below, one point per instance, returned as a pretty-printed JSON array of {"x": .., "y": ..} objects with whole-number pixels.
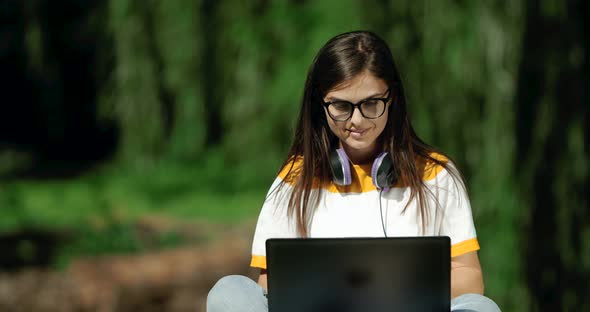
[{"x": 359, "y": 274}]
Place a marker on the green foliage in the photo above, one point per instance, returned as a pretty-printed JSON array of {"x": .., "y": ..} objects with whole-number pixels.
[
  {"x": 206, "y": 189},
  {"x": 179, "y": 40}
]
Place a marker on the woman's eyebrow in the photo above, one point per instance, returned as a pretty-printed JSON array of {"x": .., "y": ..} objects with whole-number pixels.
[{"x": 331, "y": 98}]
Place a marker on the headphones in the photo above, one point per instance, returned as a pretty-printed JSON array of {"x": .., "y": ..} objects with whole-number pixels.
[{"x": 382, "y": 172}]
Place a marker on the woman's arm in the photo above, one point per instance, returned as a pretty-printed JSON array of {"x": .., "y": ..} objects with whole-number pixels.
[
  {"x": 262, "y": 279},
  {"x": 466, "y": 276}
]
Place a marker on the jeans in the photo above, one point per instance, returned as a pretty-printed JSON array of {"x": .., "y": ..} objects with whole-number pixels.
[{"x": 236, "y": 293}]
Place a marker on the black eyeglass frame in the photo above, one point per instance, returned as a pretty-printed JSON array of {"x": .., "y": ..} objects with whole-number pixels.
[{"x": 358, "y": 105}]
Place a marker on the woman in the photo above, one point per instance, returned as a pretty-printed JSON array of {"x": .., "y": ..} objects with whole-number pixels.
[{"x": 356, "y": 168}]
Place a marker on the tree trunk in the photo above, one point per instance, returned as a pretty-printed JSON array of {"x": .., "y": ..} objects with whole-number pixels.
[{"x": 552, "y": 121}]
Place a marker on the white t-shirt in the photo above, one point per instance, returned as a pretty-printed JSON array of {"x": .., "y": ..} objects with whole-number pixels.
[{"x": 353, "y": 211}]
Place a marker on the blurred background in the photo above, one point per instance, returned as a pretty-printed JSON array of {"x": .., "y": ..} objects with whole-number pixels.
[{"x": 139, "y": 138}]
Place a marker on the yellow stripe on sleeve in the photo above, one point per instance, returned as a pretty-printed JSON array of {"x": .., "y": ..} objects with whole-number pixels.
[
  {"x": 432, "y": 169},
  {"x": 258, "y": 262},
  {"x": 464, "y": 247}
]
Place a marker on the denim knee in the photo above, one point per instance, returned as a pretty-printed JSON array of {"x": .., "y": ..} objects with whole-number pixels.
[
  {"x": 235, "y": 293},
  {"x": 473, "y": 303}
]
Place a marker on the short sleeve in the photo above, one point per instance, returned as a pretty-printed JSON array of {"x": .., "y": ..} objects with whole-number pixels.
[
  {"x": 457, "y": 218},
  {"x": 273, "y": 221}
]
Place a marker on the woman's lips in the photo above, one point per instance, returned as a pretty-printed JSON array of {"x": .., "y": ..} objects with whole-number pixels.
[{"x": 357, "y": 133}]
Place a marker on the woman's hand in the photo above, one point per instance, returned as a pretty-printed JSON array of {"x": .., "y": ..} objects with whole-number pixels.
[{"x": 262, "y": 280}]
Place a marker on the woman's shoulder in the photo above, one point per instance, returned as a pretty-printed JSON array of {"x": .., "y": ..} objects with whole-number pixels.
[
  {"x": 433, "y": 165},
  {"x": 291, "y": 169}
]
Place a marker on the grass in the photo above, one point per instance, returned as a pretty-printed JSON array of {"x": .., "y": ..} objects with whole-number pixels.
[
  {"x": 101, "y": 208},
  {"x": 174, "y": 190}
]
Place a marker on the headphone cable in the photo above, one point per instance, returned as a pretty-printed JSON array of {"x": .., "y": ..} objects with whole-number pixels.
[{"x": 381, "y": 214}]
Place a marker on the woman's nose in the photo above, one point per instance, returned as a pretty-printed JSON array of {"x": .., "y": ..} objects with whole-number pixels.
[{"x": 356, "y": 117}]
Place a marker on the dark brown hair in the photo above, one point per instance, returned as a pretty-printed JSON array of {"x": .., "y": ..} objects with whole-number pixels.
[{"x": 338, "y": 61}]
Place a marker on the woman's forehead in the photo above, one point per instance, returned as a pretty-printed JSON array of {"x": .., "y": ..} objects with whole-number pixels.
[{"x": 358, "y": 88}]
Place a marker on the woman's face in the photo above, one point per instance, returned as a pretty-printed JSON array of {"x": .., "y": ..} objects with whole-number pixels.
[{"x": 358, "y": 134}]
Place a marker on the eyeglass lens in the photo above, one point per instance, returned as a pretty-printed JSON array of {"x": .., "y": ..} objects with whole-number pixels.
[{"x": 371, "y": 108}]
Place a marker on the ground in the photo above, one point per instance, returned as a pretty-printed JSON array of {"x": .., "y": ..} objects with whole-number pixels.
[{"x": 175, "y": 279}]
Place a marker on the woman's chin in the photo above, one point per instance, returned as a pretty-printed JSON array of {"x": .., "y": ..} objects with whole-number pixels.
[{"x": 357, "y": 145}]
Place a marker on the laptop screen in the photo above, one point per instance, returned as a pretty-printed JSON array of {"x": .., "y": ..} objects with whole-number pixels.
[{"x": 359, "y": 274}]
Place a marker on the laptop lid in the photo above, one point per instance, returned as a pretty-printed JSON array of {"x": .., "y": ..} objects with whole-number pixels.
[{"x": 359, "y": 274}]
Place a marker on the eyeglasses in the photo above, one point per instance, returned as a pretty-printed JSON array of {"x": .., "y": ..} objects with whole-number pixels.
[{"x": 370, "y": 108}]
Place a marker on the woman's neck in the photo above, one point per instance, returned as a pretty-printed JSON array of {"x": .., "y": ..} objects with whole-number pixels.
[{"x": 361, "y": 156}]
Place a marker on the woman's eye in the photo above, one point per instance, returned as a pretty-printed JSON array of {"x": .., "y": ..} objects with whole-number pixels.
[
  {"x": 371, "y": 103},
  {"x": 342, "y": 106}
]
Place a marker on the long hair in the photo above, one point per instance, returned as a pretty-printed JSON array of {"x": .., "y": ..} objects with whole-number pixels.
[{"x": 341, "y": 59}]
